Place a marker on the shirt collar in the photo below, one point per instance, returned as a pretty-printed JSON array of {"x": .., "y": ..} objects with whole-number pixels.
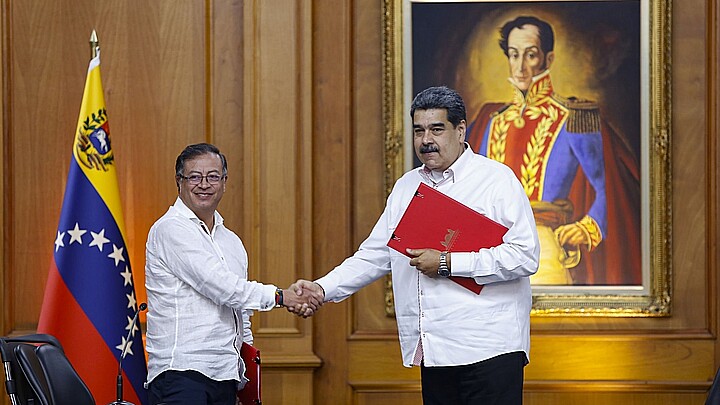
[
  {"x": 451, "y": 173},
  {"x": 186, "y": 212}
]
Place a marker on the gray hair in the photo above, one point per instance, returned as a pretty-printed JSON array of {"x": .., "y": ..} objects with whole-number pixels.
[
  {"x": 440, "y": 98},
  {"x": 191, "y": 152}
]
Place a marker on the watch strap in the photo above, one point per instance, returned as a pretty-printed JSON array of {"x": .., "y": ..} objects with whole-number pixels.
[{"x": 443, "y": 269}]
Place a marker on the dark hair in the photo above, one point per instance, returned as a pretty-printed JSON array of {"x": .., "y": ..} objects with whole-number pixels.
[
  {"x": 192, "y": 151},
  {"x": 547, "y": 37},
  {"x": 441, "y": 98}
]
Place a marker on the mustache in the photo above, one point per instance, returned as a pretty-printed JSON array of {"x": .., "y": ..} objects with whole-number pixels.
[{"x": 428, "y": 148}]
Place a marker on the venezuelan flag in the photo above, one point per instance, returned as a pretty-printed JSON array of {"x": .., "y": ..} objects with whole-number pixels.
[{"x": 89, "y": 298}]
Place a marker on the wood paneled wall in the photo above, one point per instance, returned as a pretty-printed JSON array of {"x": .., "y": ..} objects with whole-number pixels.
[{"x": 290, "y": 90}]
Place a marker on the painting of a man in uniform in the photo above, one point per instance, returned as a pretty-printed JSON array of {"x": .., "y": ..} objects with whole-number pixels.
[{"x": 556, "y": 98}]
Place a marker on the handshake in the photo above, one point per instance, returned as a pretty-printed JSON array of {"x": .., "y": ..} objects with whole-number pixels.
[{"x": 303, "y": 298}]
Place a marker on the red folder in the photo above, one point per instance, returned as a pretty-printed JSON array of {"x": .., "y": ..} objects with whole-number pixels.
[
  {"x": 250, "y": 394},
  {"x": 434, "y": 220}
]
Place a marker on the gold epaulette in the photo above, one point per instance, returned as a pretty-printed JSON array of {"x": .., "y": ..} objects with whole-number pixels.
[{"x": 584, "y": 115}]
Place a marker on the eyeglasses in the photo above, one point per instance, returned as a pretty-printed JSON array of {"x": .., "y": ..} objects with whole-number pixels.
[{"x": 195, "y": 179}]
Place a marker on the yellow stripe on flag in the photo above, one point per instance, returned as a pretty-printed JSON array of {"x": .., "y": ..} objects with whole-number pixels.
[{"x": 92, "y": 149}]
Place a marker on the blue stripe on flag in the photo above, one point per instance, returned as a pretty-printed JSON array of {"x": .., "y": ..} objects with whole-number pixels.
[{"x": 96, "y": 269}]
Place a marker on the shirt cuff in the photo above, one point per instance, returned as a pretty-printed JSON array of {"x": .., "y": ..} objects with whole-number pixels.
[
  {"x": 268, "y": 297},
  {"x": 325, "y": 284},
  {"x": 460, "y": 264}
]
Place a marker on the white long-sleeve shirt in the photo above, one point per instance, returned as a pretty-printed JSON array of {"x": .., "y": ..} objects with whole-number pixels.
[
  {"x": 199, "y": 298},
  {"x": 456, "y": 326}
]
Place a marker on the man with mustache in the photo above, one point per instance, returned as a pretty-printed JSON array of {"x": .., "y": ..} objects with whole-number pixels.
[{"x": 471, "y": 348}]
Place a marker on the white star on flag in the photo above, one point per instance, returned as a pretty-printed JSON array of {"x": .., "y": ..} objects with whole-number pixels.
[
  {"x": 59, "y": 240},
  {"x": 117, "y": 255},
  {"x": 76, "y": 234},
  {"x": 128, "y": 350},
  {"x": 99, "y": 239},
  {"x": 130, "y": 322},
  {"x": 127, "y": 275},
  {"x": 131, "y": 300}
]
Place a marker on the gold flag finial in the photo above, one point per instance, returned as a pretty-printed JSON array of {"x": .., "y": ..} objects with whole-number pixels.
[{"x": 94, "y": 45}]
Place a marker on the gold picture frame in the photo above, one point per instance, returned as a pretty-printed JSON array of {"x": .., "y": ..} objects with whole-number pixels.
[{"x": 649, "y": 47}]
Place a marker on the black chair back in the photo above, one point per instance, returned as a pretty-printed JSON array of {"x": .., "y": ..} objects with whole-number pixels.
[
  {"x": 33, "y": 372},
  {"x": 37, "y": 372},
  {"x": 64, "y": 384},
  {"x": 16, "y": 385}
]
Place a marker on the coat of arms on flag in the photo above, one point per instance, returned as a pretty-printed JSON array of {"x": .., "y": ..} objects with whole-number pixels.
[{"x": 92, "y": 143}]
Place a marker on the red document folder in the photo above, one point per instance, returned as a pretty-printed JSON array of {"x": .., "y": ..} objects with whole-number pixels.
[
  {"x": 434, "y": 220},
  {"x": 250, "y": 394}
]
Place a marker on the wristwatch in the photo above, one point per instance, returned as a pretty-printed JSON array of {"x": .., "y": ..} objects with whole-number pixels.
[
  {"x": 443, "y": 269},
  {"x": 279, "y": 298}
]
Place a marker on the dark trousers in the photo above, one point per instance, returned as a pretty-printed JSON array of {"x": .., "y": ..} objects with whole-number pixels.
[
  {"x": 498, "y": 380},
  {"x": 190, "y": 388}
]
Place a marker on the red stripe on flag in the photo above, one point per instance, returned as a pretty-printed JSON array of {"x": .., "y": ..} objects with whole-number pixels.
[{"x": 62, "y": 317}]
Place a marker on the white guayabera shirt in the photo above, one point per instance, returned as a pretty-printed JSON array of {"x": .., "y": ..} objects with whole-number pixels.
[
  {"x": 456, "y": 326},
  {"x": 199, "y": 298}
]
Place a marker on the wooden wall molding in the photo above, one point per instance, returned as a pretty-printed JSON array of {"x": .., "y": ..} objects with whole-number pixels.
[
  {"x": 713, "y": 184},
  {"x": 277, "y": 181},
  {"x": 6, "y": 320}
]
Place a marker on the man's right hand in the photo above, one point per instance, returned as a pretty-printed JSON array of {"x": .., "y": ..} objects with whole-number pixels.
[{"x": 310, "y": 296}]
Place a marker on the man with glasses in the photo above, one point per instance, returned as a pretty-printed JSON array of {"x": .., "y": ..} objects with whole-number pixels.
[{"x": 199, "y": 298}]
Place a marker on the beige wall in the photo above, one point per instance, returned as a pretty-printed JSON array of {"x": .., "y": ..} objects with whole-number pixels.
[{"x": 291, "y": 91}]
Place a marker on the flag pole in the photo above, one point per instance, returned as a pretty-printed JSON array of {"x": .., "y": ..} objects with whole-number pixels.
[{"x": 94, "y": 45}]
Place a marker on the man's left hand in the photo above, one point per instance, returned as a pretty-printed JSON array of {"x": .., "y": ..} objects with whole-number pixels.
[
  {"x": 426, "y": 261},
  {"x": 572, "y": 235}
]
